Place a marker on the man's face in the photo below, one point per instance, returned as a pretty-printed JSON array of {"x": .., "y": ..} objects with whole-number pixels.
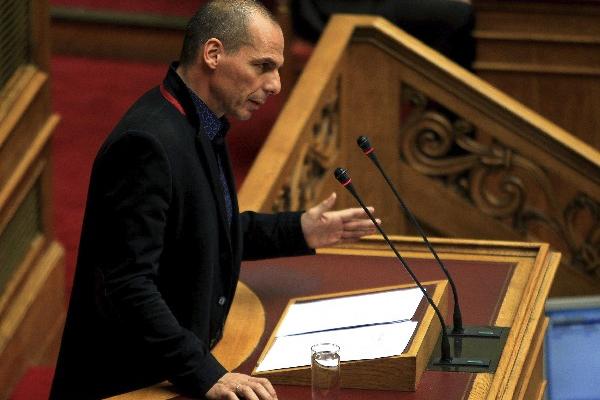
[{"x": 244, "y": 79}]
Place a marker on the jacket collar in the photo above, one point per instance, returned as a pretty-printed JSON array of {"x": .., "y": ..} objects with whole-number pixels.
[{"x": 176, "y": 87}]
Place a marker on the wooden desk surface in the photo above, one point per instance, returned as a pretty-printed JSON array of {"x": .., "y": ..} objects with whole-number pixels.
[{"x": 499, "y": 283}]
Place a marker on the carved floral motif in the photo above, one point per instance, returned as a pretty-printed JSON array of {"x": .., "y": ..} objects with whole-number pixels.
[{"x": 499, "y": 181}]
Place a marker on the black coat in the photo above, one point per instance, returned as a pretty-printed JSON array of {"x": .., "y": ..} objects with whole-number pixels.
[{"x": 158, "y": 262}]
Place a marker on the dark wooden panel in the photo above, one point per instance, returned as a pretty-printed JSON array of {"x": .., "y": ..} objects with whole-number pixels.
[{"x": 545, "y": 54}]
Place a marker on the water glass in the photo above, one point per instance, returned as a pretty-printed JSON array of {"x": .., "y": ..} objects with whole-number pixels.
[{"x": 325, "y": 371}]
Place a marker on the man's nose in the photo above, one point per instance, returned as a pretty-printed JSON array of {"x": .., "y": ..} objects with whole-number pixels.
[{"x": 273, "y": 84}]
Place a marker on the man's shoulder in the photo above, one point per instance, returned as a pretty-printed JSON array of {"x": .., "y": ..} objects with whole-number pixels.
[{"x": 154, "y": 116}]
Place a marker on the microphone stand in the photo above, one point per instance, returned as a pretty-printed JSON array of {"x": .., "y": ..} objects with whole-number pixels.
[
  {"x": 458, "y": 329},
  {"x": 446, "y": 361}
]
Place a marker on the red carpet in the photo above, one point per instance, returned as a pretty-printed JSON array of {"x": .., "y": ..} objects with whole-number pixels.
[{"x": 35, "y": 385}]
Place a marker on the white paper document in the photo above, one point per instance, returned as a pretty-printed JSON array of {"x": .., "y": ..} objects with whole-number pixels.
[
  {"x": 364, "y": 343},
  {"x": 365, "y": 326},
  {"x": 350, "y": 311}
]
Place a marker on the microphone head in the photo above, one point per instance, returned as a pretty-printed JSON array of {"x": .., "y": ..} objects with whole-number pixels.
[
  {"x": 363, "y": 143},
  {"x": 341, "y": 174}
]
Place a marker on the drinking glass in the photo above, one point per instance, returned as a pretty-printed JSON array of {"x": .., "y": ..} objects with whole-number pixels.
[{"x": 325, "y": 371}]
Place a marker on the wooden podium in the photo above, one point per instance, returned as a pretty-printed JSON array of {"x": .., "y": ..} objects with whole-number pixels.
[{"x": 499, "y": 283}]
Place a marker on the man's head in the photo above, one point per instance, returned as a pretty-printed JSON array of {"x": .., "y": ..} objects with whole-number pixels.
[{"x": 231, "y": 56}]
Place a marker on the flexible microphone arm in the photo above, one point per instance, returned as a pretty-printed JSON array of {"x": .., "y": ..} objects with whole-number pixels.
[
  {"x": 363, "y": 143},
  {"x": 341, "y": 174}
]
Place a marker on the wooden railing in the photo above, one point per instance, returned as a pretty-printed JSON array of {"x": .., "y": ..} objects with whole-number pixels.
[{"x": 467, "y": 159}]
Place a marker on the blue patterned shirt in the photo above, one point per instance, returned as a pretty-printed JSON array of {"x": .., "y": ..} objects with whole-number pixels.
[{"x": 216, "y": 129}]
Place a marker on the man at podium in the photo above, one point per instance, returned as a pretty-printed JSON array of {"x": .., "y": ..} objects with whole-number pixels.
[{"x": 162, "y": 238}]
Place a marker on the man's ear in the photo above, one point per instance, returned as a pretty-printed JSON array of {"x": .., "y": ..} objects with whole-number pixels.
[{"x": 212, "y": 51}]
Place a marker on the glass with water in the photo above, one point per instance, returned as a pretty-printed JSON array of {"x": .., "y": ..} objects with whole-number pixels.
[{"x": 325, "y": 371}]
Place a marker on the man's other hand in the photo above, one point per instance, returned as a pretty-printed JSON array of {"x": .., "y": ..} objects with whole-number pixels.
[{"x": 233, "y": 386}]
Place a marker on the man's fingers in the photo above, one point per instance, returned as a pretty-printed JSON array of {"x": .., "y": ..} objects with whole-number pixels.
[
  {"x": 354, "y": 213},
  {"x": 326, "y": 204},
  {"x": 360, "y": 224},
  {"x": 235, "y": 386},
  {"x": 256, "y": 389},
  {"x": 356, "y": 234},
  {"x": 246, "y": 392},
  {"x": 267, "y": 385},
  {"x": 259, "y": 390},
  {"x": 357, "y": 229}
]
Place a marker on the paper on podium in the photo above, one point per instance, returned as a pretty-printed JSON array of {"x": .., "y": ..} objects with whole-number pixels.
[{"x": 365, "y": 326}]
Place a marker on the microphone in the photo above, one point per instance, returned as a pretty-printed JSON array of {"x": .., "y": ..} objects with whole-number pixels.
[
  {"x": 458, "y": 329},
  {"x": 341, "y": 174}
]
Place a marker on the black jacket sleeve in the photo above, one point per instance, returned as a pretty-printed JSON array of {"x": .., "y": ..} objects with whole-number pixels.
[{"x": 273, "y": 235}]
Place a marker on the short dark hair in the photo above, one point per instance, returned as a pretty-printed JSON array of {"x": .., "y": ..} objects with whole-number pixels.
[{"x": 226, "y": 20}]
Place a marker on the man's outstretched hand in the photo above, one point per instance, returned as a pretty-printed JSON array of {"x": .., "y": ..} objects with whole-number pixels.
[{"x": 322, "y": 227}]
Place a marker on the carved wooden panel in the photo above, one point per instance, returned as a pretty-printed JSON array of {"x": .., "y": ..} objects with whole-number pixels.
[{"x": 500, "y": 181}]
